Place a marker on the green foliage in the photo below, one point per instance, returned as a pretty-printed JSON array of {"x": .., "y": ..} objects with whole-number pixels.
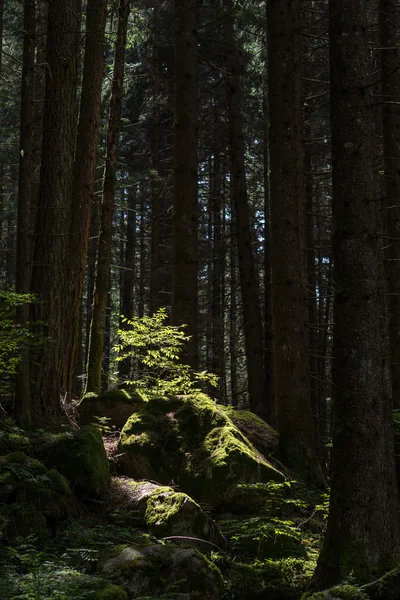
[
  {"x": 158, "y": 349},
  {"x": 12, "y": 336}
]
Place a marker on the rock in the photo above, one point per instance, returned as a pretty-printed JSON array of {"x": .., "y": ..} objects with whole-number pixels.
[
  {"x": 155, "y": 570},
  {"x": 11, "y": 441},
  {"x": 165, "y": 512},
  {"x": 25, "y": 480},
  {"x": 189, "y": 440},
  {"x": 80, "y": 456},
  {"x": 116, "y": 405},
  {"x": 111, "y": 592},
  {"x": 260, "y": 538},
  {"x": 340, "y": 592},
  {"x": 263, "y": 437}
]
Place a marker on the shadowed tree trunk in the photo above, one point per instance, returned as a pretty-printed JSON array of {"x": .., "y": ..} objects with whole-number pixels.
[
  {"x": 54, "y": 204},
  {"x": 249, "y": 281},
  {"x": 85, "y": 164},
  {"x": 389, "y": 26},
  {"x": 185, "y": 217},
  {"x": 97, "y": 329},
  {"x": 362, "y": 535},
  {"x": 289, "y": 292},
  {"x": 22, "y": 403}
]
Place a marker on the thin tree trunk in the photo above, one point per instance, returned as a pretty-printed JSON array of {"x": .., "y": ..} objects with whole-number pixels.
[
  {"x": 97, "y": 330},
  {"x": 233, "y": 337},
  {"x": 249, "y": 280},
  {"x": 185, "y": 217},
  {"x": 217, "y": 356},
  {"x": 129, "y": 274},
  {"x": 289, "y": 293},
  {"x": 22, "y": 403},
  {"x": 268, "y": 332},
  {"x": 84, "y": 175},
  {"x": 362, "y": 535}
]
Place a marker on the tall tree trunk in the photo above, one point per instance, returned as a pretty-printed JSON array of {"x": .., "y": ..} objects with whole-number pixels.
[
  {"x": 142, "y": 253},
  {"x": 22, "y": 403},
  {"x": 362, "y": 535},
  {"x": 185, "y": 217},
  {"x": 1, "y": 33},
  {"x": 268, "y": 333},
  {"x": 217, "y": 352},
  {"x": 85, "y": 164},
  {"x": 249, "y": 280},
  {"x": 389, "y": 25},
  {"x": 97, "y": 330},
  {"x": 54, "y": 205},
  {"x": 233, "y": 336},
  {"x": 289, "y": 293}
]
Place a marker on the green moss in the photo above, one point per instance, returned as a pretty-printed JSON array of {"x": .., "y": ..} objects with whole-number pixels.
[
  {"x": 111, "y": 592},
  {"x": 263, "y": 437},
  {"x": 347, "y": 592},
  {"x": 13, "y": 440},
  {"x": 282, "y": 579},
  {"x": 80, "y": 456},
  {"x": 189, "y": 439},
  {"x": 21, "y": 464}
]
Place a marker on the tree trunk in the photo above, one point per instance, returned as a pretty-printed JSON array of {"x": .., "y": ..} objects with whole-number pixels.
[
  {"x": 85, "y": 164},
  {"x": 129, "y": 274},
  {"x": 97, "y": 330},
  {"x": 362, "y": 535},
  {"x": 289, "y": 293},
  {"x": 22, "y": 403},
  {"x": 249, "y": 281},
  {"x": 389, "y": 25},
  {"x": 185, "y": 217},
  {"x": 54, "y": 204}
]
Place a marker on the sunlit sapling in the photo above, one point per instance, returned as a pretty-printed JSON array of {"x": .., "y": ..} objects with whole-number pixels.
[{"x": 158, "y": 349}]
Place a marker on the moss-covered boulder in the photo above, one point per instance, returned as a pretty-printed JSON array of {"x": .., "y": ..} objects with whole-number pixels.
[
  {"x": 385, "y": 588},
  {"x": 111, "y": 592},
  {"x": 12, "y": 440},
  {"x": 263, "y": 437},
  {"x": 157, "y": 570},
  {"x": 189, "y": 440},
  {"x": 116, "y": 405},
  {"x": 164, "y": 512},
  {"x": 80, "y": 456},
  {"x": 340, "y": 592},
  {"x": 27, "y": 481},
  {"x": 261, "y": 538}
]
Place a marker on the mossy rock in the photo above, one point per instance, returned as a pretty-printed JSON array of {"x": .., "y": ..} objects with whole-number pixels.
[
  {"x": 111, "y": 592},
  {"x": 340, "y": 592},
  {"x": 260, "y": 538},
  {"x": 11, "y": 441},
  {"x": 284, "y": 579},
  {"x": 20, "y": 521},
  {"x": 117, "y": 405},
  {"x": 27, "y": 481},
  {"x": 188, "y": 439},
  {"x": 263, "y": 437},
  {"x": 156, "y": 570},
  {"x": 80, "y": 456}
]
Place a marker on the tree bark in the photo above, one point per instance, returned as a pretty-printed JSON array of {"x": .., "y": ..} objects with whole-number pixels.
[
  {"x": 249, "y": 280},
  {"x": 54, "y": 204},
  {"x": 362, "y": 535},
  {"x": 97, "y": 330},
  {"x": 389, "y": 26},
  {"x": 289, "y": 293},
  {"x": 185, "y": 217},
  {"x": 22, "y": 402},
  {"x": 84, "y": 175}
]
